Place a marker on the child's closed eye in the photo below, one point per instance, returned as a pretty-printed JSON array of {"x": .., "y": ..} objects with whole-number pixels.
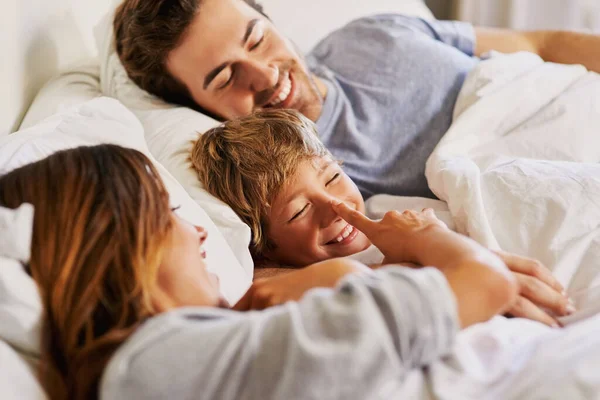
[
  {"x": 299, "y": 213},
  {"x": 333, "y": 179}
]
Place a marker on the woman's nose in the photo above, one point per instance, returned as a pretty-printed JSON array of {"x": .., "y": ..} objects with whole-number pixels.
[{"x": 202, "y": 233}]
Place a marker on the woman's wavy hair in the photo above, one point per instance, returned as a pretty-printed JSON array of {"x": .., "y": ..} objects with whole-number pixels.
[
  {"x": 101, "y": 219},
  {"x": 146, "y": 31}
]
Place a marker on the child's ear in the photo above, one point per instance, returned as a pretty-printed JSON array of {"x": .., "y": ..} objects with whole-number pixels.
[
  {"x": 261, "y": 260},
  {"x": 268, "y": 259}
]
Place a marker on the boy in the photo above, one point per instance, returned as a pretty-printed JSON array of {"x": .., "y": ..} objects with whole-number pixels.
[
  {"x": 274, "y": 172},
  {"x": 271, "y": 168}
]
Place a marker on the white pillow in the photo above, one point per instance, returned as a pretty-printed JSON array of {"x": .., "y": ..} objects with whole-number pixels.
[
  {"x": 105, "y": 120},
  {"x": 16, "y": 225},
  {"x": 76, "y": 86},
  {"x": 170, "y": 130},
  {"x": 17, "y": 378},
  {"x": 20, "y": 304}
]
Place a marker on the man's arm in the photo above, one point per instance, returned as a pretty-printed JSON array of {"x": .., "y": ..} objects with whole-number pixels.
[{"x": 555, "y": 46}]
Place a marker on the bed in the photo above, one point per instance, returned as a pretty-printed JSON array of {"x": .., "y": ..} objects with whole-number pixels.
[{"x": 71, "y": 43}]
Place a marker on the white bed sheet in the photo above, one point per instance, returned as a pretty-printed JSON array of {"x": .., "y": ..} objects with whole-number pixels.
[{"x": 519, "y": 166}]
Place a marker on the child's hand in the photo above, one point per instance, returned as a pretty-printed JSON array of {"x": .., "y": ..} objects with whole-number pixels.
[
  {"x": 269, "y": 292},
  {"x": 540, "y": 293},
  {"x": 396, "y": 233}
]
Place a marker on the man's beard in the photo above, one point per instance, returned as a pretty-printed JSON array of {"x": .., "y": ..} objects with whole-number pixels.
[{"x": 308, "y": 99}]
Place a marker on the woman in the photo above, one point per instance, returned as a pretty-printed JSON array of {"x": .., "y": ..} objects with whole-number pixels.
[{"x": 115, "y": 268}]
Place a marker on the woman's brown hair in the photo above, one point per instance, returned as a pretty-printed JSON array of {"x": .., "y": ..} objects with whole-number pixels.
[{"x": 101, "y": 219}]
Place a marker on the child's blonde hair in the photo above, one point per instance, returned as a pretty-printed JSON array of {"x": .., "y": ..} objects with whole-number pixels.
[{"x": 245, "y": 163}]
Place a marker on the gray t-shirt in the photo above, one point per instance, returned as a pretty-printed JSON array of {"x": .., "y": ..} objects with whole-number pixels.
[
  {"x": 359, "y": 341},
  {"x": 392, "y": 84}
]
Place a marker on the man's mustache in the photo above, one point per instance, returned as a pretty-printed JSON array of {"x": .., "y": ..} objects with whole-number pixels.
[{"x": 262, "y": 98}]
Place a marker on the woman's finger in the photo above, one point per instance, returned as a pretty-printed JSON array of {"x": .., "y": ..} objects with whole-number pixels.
[
  {"x": 542, "y": 295},
  {"x": 354, "y": 218},
  {"x": 523, "y": 308}
]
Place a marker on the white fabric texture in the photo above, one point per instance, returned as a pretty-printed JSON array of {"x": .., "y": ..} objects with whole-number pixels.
[
  {"x": 80, "y": 84},
  {"x": 16, "y": 227},
  {"x": 20, "y": 306},
  {"x": 105, "y": 120},
  {"x": 519, "y": 166},
  {"x": 17, "y": 378}
]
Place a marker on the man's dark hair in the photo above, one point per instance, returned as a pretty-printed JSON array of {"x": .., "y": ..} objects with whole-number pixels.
[{"x": 146, "y": 31}]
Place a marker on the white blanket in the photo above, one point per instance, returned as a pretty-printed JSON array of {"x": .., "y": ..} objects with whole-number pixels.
[{"x": 519, "y": 166}]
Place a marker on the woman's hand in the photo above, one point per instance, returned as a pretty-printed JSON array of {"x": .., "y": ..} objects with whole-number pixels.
[
  {"x": 396, "y": 234},
  {"x": 540, "y": 294},
  {"x": 269, "y": 292}
]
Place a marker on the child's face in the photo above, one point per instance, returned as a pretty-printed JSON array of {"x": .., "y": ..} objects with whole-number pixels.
[{"x": 302, "y": 223}]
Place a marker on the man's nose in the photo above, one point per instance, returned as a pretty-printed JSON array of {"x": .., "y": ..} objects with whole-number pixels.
[{"x": 261, "y": 76}]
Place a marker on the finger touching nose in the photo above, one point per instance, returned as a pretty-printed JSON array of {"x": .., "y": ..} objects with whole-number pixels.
[{"x": 354, "y": 217}]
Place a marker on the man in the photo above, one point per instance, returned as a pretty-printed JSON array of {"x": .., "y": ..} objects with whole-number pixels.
[{"x": 381, "y": 90}]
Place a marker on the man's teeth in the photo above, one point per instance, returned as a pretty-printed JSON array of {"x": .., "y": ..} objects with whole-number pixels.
[
  {"x": 286, "y": 87},
  {"x": 347, "y": 231}
]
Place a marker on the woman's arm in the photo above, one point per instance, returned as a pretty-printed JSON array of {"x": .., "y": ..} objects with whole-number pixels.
[
  {"x": 351, "y": 342},
  {"x": 555, "y": 46},
  {"x": 481, "y": 283}
]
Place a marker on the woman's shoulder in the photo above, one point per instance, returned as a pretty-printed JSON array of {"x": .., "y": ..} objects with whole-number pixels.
[{"x": 145, "y": 361}]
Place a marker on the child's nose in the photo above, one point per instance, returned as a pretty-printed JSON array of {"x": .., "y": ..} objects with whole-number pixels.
[{"x": 328, "y": 215}]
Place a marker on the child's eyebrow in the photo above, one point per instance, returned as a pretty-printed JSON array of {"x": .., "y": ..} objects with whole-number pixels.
[{"x": 324, "y": 167}]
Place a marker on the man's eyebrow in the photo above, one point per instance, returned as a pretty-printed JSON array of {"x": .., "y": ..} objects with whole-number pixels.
[
  {"x": 249, "y": 29},
  {"x": 213, "y": 74}
]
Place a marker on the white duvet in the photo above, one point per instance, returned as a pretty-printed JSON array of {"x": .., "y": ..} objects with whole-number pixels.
[{"x": 519, "y": 166}]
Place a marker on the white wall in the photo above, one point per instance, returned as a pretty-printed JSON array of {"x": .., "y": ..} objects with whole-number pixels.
[{"x": 39, "y": 38}]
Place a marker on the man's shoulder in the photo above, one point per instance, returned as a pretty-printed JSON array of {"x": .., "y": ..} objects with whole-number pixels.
[
  {"x": 365, "y": 37},
  {"x": 372, "y": 22}
]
